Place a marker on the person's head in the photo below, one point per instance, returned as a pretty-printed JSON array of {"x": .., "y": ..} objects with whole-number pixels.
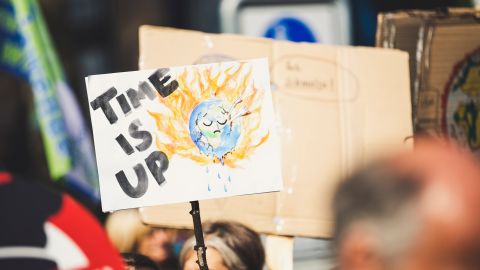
[
  {"x": 129, "y": 234},
  {"x": 134, "y": 261},
  {"x": 416, "y": 210},
  {"x": 230, "y": 245}
]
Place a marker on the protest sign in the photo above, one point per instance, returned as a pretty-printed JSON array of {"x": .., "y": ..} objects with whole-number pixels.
[
  {"x": 337, "y": 108},
  {"x": 444, "y": 49},
  {"x": 184, "y": 133}
]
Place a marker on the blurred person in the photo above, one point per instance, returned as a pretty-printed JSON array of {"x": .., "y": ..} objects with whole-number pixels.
[
  {"x": 134, "y": 261},
  {"x": 230, "y": 245},
  {"x": 129, "y": 234},
  {"x": 415, "y": 210}
]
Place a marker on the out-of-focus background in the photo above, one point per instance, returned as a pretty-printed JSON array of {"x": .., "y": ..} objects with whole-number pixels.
[{"x": 94, "y": 37}]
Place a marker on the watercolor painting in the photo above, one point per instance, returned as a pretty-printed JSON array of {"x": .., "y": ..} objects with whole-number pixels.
[
  {"x": 213, "y": 117},
  {"x": 180, "y": 134}
]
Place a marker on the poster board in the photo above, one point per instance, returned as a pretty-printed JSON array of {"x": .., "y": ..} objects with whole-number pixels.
[
  {"x": 444, "y": 48},
  {"x": 337, "y": 108},
  {"x": 181, "y": 134}
]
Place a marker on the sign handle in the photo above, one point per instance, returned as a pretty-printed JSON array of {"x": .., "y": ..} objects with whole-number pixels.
[{"x": 197, "y": 228}]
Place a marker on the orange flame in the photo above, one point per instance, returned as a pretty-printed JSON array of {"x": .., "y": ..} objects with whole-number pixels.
[{"x": 230, "y": 84}]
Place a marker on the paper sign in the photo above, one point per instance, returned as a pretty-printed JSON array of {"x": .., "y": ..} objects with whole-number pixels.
[{"x": 184, "y": 133}]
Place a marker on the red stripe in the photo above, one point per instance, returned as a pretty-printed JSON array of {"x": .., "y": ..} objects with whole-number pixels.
[
  {"x": 76, "y": 222},
  {"x": 5, "y": 178}
]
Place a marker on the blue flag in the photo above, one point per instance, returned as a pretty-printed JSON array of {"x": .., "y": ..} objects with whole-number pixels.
[{"x": 26, "y": 51}]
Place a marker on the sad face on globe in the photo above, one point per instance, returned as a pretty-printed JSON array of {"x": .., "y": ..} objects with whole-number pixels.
[
  {"x": 215, "y": 116},
  {"x": 214, "y": 127}
]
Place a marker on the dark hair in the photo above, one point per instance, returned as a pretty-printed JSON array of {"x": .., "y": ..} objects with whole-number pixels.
[
  {"x": 244, "y": 241},
  {"x": 374, "y": 193},
  {"x": 138, "y": 260}
]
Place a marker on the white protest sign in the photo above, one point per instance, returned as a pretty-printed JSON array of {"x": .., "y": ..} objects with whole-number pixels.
[{"x": 184, "y": 133}]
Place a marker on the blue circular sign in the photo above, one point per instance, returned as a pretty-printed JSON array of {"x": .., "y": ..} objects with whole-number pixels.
[{"x": 290, "y": 28}]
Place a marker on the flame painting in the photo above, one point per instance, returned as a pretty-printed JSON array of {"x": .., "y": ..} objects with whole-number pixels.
[
  {"x": 184, "y": 133},
  {"x": 213, "y": 117}
]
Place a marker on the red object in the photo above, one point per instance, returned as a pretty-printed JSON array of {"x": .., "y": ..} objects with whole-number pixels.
[
  {"x": 87, "y": 233},
  {"x": 5, "y": 178},
  {"x": 43, "y": 230}
]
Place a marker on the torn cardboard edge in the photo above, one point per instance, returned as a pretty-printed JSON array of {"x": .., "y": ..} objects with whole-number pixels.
[{"x": 412, "y": 31}]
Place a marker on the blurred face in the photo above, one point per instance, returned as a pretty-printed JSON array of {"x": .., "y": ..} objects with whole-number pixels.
[
  {"x": 450, "y": 238},
  {"x": 156, "y": 245},
  {"x": 214, "y": 260}
]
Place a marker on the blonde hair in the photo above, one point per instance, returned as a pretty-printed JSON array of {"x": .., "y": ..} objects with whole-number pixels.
[
  {"x": 229, "y": 257},
  {"x": 126, "y": 230},
  {"x": 239, "y": 246}
]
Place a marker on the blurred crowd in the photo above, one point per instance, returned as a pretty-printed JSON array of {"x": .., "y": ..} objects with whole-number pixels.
[
  {"x": 412, "y": 210},
  {"x": 230, "y": 245},
  {"x": 417, "y": 209}
]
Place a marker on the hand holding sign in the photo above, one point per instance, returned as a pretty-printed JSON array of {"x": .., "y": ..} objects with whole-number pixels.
[{"x": 183, "y": 134}]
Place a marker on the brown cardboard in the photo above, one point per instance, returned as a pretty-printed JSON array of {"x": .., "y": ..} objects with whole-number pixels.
[
  {"x": 337, "y": 107},
  {"x": 438, "y": 42}
]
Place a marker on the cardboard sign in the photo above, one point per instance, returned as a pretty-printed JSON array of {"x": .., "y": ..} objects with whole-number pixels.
[
  {"x": 444, "y": 48},
  {"x": 337, "y": 108},
  {"x": 184, "y": 133}
]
